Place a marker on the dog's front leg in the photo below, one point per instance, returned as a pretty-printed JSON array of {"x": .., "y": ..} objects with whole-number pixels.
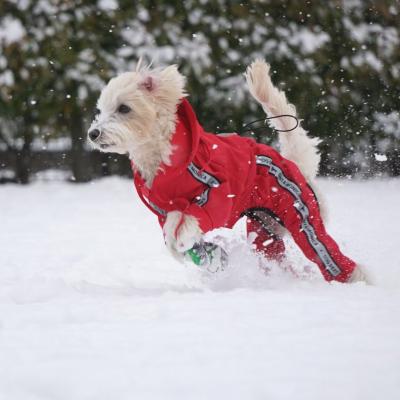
[{"x": 181, "y": 232}]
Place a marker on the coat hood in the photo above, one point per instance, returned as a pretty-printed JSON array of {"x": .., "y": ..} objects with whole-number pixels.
[{"x": 185, "y": 139}]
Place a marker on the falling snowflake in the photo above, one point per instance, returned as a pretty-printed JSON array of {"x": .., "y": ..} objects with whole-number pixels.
[{"x": 380, "y": 157}]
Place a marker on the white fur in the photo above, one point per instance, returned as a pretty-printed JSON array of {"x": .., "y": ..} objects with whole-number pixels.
[
  {"x": 360, "y": 275},
  {"x": 144, "y": 133},
  {"x": 295, "y": 145},
  {"x": 181, "y": 239}
]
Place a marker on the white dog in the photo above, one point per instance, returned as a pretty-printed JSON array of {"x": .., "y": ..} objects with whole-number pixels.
[{"x": 189, "y": 178}]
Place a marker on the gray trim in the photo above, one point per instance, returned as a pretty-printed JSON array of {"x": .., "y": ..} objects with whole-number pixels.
[
  {"x": 203, "y": 198},
  {"x": 306, "y": 226},
  {"x": 203, "y": 176},
  {"x": 157, "y": 209},
  {"x": 277, "y": 172},
  {"x": 227, "y": 134}
]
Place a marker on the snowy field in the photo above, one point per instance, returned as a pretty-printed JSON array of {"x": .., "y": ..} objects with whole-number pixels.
[{"x": 93, "y": 307}]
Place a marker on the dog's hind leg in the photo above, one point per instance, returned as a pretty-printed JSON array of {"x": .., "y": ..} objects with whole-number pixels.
[{"x": 268, "y": 240}]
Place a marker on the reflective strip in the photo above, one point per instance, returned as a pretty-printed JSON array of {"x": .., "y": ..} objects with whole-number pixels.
[
  {"x": 308, "y": 229},
  {"x": 203, "y": 176},
  {"x": 277, "y": 172},
  {"x": 157, "y": 209},
  {"x": 207, "y": 179},
  {"x": 203, "y": 198}
]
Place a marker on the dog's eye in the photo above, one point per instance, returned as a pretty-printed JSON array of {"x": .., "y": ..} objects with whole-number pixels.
[
  {"x": 124, "y": 109},
  {"x": 96, "y": 112}
]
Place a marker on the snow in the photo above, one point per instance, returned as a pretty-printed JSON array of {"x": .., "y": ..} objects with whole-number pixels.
[
  {"x": 11, "y": 30},
  {"x": 107, "y": 5},
  {"x": 380, "y": 157},
  {"x": 388, "y": 123},
  {"x": 93, "y": 307},
  {"x": 369, "y": 58}
]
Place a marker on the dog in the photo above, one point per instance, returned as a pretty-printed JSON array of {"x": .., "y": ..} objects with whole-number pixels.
[{"x": 196, "y": 181}]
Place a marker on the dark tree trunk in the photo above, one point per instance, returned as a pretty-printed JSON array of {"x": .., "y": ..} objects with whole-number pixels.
[
  {"x": 105, "y": 165},
  {"x": 79, "y": 161},
  {"x": 23, "y": 160},
  {"x": 20, "y": 160}
]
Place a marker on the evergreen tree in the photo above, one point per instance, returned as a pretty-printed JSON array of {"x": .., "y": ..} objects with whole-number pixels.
[{"x": 338, "y": 61}]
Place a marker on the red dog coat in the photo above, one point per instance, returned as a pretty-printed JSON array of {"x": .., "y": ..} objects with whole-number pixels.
[{"x": 218, "y": 179}]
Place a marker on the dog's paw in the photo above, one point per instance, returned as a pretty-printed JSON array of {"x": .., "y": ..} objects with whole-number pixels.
[
  {"x": 181, "y": 232},
  {"x": 188, "y": 234},
  {"x": 360, "y": 275}
]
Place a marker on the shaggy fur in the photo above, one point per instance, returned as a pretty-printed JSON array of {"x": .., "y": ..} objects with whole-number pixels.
[
  {"x": 145, "y": 133},
  {"x": 144, "y": 130},
  {"x": 295, "y": 145}
]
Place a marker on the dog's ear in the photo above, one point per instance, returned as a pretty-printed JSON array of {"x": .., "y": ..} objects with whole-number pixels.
[
  {"x": 148, "y": 83},
  {"x": 151, "y": 80},
  {"x": 167, "y": 84}
]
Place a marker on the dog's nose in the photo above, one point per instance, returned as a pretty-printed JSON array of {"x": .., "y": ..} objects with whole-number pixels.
[{"x": 94, "y": 134}]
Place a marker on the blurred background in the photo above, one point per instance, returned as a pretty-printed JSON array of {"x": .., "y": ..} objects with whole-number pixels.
[{"x": 338, "y": 62}]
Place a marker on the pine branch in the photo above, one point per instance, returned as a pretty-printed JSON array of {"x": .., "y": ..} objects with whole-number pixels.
[{"x": 4, "y": 139}]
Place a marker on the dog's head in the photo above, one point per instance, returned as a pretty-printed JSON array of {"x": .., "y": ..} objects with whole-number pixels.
[{"x": 136, "y": 108}]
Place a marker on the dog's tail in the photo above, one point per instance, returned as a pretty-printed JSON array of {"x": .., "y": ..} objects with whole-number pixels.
[{"x": 295, "y": 145}]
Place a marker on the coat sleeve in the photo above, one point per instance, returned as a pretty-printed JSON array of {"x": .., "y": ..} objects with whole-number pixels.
[{"x": 212, "y": 207}]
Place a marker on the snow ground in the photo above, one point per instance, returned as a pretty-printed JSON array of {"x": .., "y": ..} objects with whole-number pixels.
[{"x": 93, "y": 307}]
